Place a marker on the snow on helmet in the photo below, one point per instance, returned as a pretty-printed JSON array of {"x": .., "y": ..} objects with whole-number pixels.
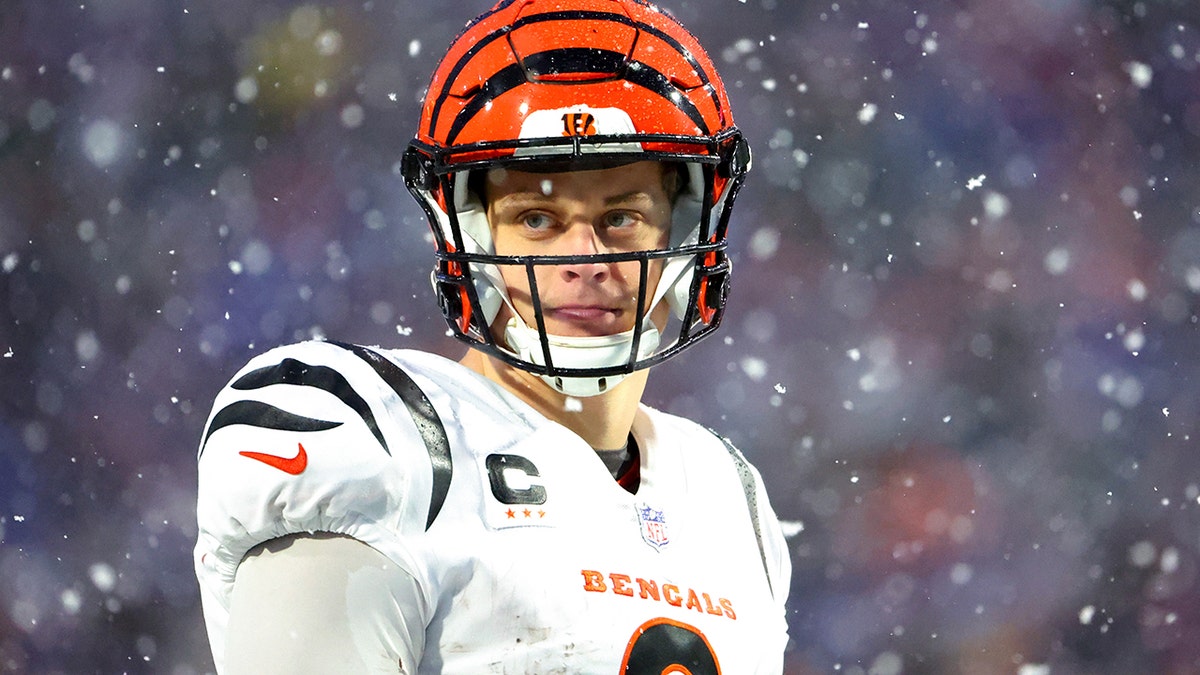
[{"x": 573, "y": 85}]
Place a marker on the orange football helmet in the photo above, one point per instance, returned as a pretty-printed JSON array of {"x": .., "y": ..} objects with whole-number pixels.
[{"x": 559, "y": 85}]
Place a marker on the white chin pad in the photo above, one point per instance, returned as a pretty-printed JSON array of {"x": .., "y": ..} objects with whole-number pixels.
[{"x": 580, "y": 352}]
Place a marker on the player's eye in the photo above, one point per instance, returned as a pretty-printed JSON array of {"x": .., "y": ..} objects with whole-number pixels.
[
  {"x": 620, "y": 219},
  {"x": 537, "y": 221}
]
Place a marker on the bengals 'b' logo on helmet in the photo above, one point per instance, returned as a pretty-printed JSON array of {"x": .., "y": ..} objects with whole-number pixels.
[{"x": 579, "y": 124}]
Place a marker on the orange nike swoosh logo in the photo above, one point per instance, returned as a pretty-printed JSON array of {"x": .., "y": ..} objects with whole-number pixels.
[{"x": 293, "y": 465}]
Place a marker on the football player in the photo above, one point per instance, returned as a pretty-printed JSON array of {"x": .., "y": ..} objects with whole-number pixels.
[{"x": 520, "y": 510}]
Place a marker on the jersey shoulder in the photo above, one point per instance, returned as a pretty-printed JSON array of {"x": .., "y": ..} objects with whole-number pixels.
[
  {"x": 320, "y": 436},
  {"x": 720, "y": 459}
]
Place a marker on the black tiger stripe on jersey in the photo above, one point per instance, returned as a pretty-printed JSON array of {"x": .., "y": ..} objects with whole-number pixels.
[
  {"x": 293, "y": 371},
  {"x": 424, "y": 416},
  {"x": 263, "y": 415}
]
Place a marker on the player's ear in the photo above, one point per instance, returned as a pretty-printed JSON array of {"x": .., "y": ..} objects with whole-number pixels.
[
  {"x": 477, "y": 185},
  {"x": 674, "y": 179}
]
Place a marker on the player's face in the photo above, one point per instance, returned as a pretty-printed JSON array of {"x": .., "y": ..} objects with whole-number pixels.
[{"x": 615, "y": 210}]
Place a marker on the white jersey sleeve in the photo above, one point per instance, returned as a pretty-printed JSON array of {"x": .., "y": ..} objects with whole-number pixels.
[
  {"x": 315, "y": 437},
  {"x": 349, "y": 616}
]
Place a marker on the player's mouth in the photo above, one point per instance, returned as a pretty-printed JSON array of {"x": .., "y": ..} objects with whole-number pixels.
[{"x": 584, "y": 320}]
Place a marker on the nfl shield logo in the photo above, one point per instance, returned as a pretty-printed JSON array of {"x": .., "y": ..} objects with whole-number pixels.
[{"x": 653, "y": 525}]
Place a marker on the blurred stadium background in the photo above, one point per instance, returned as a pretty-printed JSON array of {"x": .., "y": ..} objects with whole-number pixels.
[{"x": 962, "y": 344}]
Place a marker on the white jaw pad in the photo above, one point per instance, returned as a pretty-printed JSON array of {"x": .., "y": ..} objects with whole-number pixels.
[
  {"x": 675, "y": 284},
  {"x": 580, "y": 352},
  {"x": 477, "y": 238}
]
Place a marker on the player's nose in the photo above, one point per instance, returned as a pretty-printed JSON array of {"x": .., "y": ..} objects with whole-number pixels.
[{"x": 582, "y": 239}]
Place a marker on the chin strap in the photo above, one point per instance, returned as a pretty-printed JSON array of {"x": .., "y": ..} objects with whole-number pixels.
[{"x": 580, "y": 352}]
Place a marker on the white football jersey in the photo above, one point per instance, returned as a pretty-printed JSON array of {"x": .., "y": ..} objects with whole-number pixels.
[{"x": 529, "y": 556}]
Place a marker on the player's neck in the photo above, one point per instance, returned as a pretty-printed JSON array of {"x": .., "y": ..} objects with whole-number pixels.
[{"x": 603, "y": 421}]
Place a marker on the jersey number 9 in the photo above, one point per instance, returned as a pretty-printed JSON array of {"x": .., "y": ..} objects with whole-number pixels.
[{"x": 665, "y": 647}]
